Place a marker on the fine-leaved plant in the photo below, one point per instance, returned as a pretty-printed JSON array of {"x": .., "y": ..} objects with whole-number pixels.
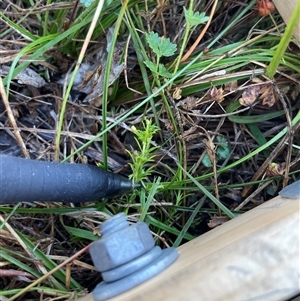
[{"x": 144, "y": 156}]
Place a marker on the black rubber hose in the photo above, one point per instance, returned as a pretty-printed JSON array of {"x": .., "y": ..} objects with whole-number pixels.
[{"x": 23, "y": 180}]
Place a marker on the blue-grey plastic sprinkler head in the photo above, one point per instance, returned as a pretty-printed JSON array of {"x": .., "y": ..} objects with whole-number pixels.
[
  {"x": 291, "y": 191},
  {"x": 126, "y": 256}
]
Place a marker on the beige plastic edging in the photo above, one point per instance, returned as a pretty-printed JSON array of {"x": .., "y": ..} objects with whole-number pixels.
[{"x": 285, "y": 8}]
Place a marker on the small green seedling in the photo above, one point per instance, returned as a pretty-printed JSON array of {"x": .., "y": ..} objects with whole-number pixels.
[
  {"x": 161, "y": 47},
  {"x": 194, "y": 19},
  {"x": 222, "y": 152},
  {"x": 145, "y": 155}
]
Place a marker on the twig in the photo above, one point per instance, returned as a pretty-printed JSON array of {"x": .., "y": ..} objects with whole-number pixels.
[
  {"x": 252, "y": 195},
  {"x": 196, "y": 43},
  {"x": 12, "y": 120},
  {"x": 290, "y": 134}
]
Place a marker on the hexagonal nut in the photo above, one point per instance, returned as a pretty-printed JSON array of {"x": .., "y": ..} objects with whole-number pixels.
[{"x": 121, "y": 247}]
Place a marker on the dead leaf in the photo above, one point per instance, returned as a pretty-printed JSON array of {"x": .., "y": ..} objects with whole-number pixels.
[
  {"x": 249, "y": 96},
  {"x": 96, "y": 231},
  {"x": 90, "y": 75},
  {"x": 267, "y": 95},
  {"x": 216, "y": 94},
  {"x": 25, "y": 77},
  {"x": 188, "y": 103},
  {"x": 231, "y": 87},
  {"x": 169, "y": 125},
  {"x": 177, "y": 93},
  {"x": 87, "y": 77},
  {"x": 217, "y": 221}
]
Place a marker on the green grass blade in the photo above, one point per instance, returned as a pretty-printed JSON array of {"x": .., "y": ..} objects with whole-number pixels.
[
  {"x": 154, "y": 222},
  {"x": 107, "y": 75},
  {"x": 208, "y": 194},
  {"x": 150, "y": 197},
  {"x": 18, "y": 263},
  {"x": 187, "y": 225},
  {"x": 284, "y": 42},
  {"x": 17, "y": 28},
  {"x": 256, "y": 118},
  {"x": 259, "y": 137}
]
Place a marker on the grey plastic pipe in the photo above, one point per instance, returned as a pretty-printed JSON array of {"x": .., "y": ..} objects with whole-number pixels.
[{"x": 24, "y": 180}]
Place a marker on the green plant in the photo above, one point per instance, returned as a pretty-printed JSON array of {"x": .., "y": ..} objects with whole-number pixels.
[
  {"x": 221, "y": 153},
  {"x": 192, "y": 20},
  {"x": 284, "y": 42},
  {"x": 161, "y": 47},
  {"x": 145, "y": 156}
]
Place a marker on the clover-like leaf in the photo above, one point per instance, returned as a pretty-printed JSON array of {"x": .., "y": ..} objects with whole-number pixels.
[
  {"x": 161, "y": 46},
  {"x": 162, "y": 71},
  {"x": 194, "y": 19},
  {"x": 221, "y": 153},
  {"x": 223, "y": 149},
  {"x": 150, "y": 65}
]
